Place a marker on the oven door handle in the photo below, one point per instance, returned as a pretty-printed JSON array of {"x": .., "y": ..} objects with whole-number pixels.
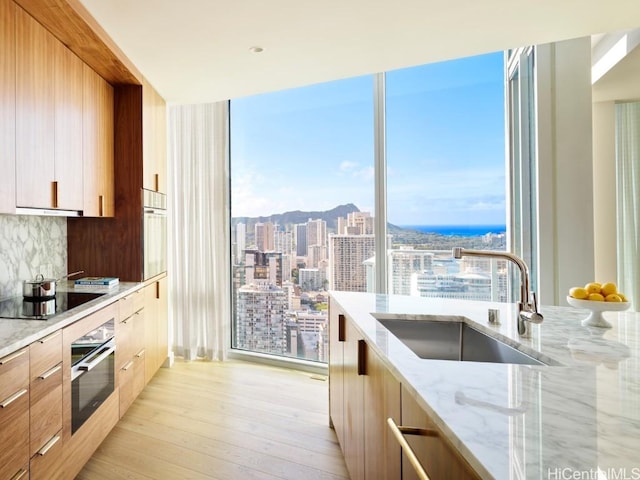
[{"x": 95, "y": 360}]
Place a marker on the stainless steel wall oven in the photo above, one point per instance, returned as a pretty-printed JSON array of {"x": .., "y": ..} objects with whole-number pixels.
[
  {"x": 92, "y": 372},
  {"x": 154, "y": 229}
]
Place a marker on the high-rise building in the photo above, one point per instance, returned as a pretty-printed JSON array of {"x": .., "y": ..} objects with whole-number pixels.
[
  {"x": 316, "y": 232},
  {"x": 311, "y": 278},
  {"x": 260, "y": 318},
  {"x": 264, "y": 236},
  {"x": 362, "y": 221},
  {"x": 315, "y": 255},
  {"x": 402, "y": 263},
  {"x": 347, "y": 254},
  {"x": 283, "y": 242},
  {"x": 241, "y": 241},
  {"x": 301, "y": 240},
  {"x": 263, "y": 267}
]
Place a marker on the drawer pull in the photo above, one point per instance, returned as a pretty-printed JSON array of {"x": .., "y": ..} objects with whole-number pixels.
[
  {"x": 47, "y": 446},
  {"x": 398, "y": 432},
  {"x": 13, "y": 398},
  {"x": 21, "y": 473},
  {"x": 128, "y": 365},
  {"x": 362, "y": 357},
  {"x": 53, "y": 335},
  {"x": 7, "y": 359},
  {"x": 140, "y": 354},
  {"x": 47, "y": 374}
]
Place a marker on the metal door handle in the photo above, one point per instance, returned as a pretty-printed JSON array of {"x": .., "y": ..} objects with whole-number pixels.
[{"x": 398, "y": 432}]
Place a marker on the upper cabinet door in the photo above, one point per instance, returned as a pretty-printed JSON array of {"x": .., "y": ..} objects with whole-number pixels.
[
  {"x": 34, "y": 113},
  {"x": 98, "y": 143},
  {"x": 7, "y": 106},
  {"x": 68, "y": 125},
  {"x": 154, "y": 139}
]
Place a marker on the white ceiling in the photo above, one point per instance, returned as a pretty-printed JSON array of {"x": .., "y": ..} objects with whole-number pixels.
[{"x": 196, "y": 51}]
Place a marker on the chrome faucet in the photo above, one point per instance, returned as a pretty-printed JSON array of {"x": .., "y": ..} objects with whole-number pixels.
[{"x": 528, "y": 305}]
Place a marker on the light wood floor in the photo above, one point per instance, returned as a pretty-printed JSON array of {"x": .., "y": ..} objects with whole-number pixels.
[{"x": 230, "y": 420}]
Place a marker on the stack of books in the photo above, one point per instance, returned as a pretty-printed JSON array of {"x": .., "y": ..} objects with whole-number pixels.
[{"x": 96, "y": 282}]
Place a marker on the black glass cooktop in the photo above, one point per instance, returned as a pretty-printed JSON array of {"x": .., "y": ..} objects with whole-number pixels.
[{"x": 43, "y": 309}]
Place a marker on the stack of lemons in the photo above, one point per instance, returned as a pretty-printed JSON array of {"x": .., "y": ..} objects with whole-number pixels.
[{"x": 598, "y": 292}]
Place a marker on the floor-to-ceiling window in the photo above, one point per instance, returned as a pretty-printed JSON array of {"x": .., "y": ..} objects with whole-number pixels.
[
  {"x": 302, "y": 193},
  {"x": 303, "y": 196},
  {"x": 445, "y": 139}
]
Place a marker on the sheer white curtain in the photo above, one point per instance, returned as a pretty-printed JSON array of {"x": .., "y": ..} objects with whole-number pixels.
[
  {"x": 198, "y": 230},
  {"x": 628, "y": 191}
]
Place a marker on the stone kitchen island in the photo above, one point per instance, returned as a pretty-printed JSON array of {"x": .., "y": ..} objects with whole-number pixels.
[{"x": 576, "y": 417}]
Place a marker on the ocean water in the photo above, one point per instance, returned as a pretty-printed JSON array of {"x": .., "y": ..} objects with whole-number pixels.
[{"x": 458, "y": 230}]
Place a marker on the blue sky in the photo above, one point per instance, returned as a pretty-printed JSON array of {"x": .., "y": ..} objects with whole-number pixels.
[{"x": 311, "y": 148}]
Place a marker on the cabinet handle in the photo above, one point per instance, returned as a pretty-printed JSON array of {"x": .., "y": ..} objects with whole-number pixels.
[
  {"x": 341, "y": 329},
  {"x": 47, "y": 446},
  {"x": 100, "y": 205},
  {"x": 21, "y": 473},
  {"x": 54, "y": 192},
  {"x": 53, "y": 335},
  {"x": 128, "y": 365},
  {"x": 7, "y": 359},
  {"x": 158, "y": 290},
  {"x": 156, "y": 181},
  {"x": 46, "y": 375},
  {"x": 140, "y": 354},
  {"x": 398, "y": 432},
  {"x": 13, "y": 398},
  {"x": 362, "y": 357}
]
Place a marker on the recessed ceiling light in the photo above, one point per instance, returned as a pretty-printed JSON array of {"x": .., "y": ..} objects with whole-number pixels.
[{"x": 256, "y": 49}]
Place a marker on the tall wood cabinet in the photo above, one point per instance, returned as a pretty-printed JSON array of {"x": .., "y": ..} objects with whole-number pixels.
[
  {"x": 35, "y": 113},
  {"x": 7, "y": 105},
  {"x": 156, "y": 328},
  {"x": 97, "y": 141},
  {"x": 154, "y": 139}
]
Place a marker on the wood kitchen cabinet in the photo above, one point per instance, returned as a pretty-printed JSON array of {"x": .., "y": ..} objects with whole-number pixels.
[
  {"x": 7, "y": 106},
  {"x": 130, "y": 355},
  {"x": 14, "y": 414},
  {"x": 154, "y": 139},
  {"x": 35, "y": 113},
  {"x": 363, "y": 394},
  {"x": 68, "y": 108},
  {"x": 156, "y": 328},
  {"x": 48, "y": 119},
  {"x": 45, "y": 411},
  {"x": 436, "y": 455},
  {"x": 98, "y": 145},
  {"x": 382, "y": 401}
]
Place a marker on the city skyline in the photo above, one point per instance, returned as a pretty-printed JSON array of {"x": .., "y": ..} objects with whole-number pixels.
[{"x": 312, "y": 148}]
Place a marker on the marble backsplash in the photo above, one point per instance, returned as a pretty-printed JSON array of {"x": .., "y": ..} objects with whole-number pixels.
[{"x": 30, "y": 245}]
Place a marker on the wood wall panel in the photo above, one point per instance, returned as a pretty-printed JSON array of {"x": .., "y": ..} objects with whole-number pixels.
[
  {"x": 74, "y": 26},
  {"x": 7, "y": 104}
]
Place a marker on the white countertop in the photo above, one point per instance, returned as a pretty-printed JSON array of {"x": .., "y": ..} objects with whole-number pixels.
[
  {"x": 16, "y": 333},
  {"x": 577, "y": 420}
]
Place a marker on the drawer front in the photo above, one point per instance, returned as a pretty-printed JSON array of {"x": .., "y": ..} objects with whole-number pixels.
[
  {"x": 130, "y": 304},
  {"x": 46, "y": 407},
  {"x": 129, "y": 337},
  {"x": 14, "y": 433},
  {"x": 46, "y": 463},
  {"x": 45, "y": 354},
  {"x": 14, "y": 372}
]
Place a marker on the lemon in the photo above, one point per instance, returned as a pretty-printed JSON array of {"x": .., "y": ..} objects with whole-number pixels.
[
  {"x": 579, "y": 293},
  {"x": 608, "y": 289},
  {"x": 595, "y": 297},
  {"x": 622, "y": 297},
  {"x": 612, "y": 297},
  {"x": 593, "y": 287}
]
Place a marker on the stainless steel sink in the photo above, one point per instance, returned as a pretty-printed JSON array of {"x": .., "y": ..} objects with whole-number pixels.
[{"x": 453, "y": 340}]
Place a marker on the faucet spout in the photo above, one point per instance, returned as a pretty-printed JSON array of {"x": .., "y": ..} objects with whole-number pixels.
[{"x": 528, "y": 305}]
